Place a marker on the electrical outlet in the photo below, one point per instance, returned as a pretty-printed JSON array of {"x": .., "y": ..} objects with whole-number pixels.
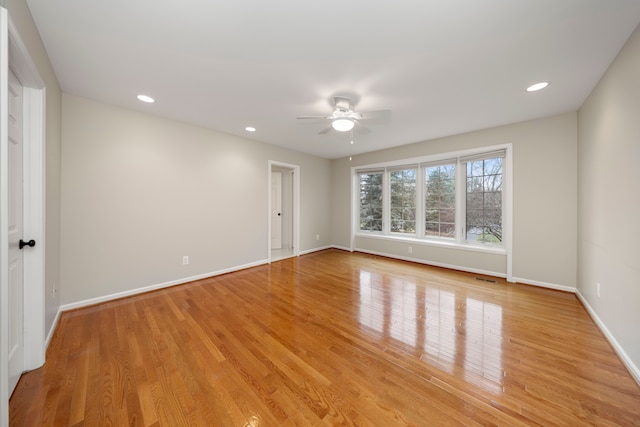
[
  {"x": 598, "y": 288},
  {"x": 54, "y": 290},
  {"x": 185, "y": 260},
  {"x": 410, "y": 250},
  {"x": 317, "y": 237}
]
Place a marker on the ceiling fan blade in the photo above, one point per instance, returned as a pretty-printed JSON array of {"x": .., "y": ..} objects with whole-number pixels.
[
  {"x": 376, "y": 114},
  {"x": 312, "y": 117},
  {"x": 344, "y": 112},
  {"x": 362, "y": 130}
]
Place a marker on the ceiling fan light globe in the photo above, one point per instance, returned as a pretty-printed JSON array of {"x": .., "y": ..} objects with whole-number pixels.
[{"x": 343, "y": 125}]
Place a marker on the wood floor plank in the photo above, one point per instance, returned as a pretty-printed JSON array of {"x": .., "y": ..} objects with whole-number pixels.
[{"x": 331, "y": 338}]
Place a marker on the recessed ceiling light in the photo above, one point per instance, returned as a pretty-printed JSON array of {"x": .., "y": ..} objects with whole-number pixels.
[
  {"x": 537, "y": 86},
  {"x": 250, "y": 129},
  {"x": 147, "y": 99}
]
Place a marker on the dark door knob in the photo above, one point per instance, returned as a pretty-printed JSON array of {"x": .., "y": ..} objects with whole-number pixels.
[
  {"x": 278, "y": 213},
  {"x": 30, "y": 243}
]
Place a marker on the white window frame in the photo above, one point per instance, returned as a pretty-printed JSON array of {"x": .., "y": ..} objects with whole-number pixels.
[
  {"x": 386, "y": 183},
  {"x": 423, "y": 167},
  {"x": 460, "y": 241},
  {"x": 461, "y": 175},
  {"x": 385, "y": 221}
]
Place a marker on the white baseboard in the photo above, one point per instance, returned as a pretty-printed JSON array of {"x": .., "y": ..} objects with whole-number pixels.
[
  {"x": 545, "y": 285},
  {"x": 105, "y": 298},
  {"x": 110, "y": 297},
  {"x": 52, "y": 329},
  {"x": 626, "y": 360},
  {"x": 469, "y": 270},
  {"x": 93, "y": 301},
  {"x": 308, "y": 251},
  {"x": 435, "y": 264}
]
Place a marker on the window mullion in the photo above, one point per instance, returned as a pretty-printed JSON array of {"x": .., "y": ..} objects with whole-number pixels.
[
  {"x": 386, "y": 203},
  {"x": 420, "y": 194},
  {"x": 461, "y": 206}
]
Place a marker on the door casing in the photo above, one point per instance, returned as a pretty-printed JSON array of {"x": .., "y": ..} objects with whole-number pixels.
[{"x": 295, "y": 205}]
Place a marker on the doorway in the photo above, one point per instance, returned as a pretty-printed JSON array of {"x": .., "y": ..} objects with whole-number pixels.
[{"x": 283, "y": 210}]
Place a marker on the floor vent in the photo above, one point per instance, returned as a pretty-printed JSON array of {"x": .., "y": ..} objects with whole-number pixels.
[{"x": 485, "y": 280}]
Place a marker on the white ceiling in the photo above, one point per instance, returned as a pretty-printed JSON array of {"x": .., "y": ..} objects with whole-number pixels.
[{"x": 442, "y": 66}]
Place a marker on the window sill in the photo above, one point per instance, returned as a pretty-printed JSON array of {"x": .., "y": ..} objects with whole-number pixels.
[{"x": 440, "y": 243}]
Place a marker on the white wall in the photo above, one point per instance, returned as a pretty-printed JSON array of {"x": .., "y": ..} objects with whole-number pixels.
[
  {"x": 544, "y": 201},
  {"x": 21, "y": 16},
  {"x": 140, "y": 192},
  {"x": 609, "y": 201}
]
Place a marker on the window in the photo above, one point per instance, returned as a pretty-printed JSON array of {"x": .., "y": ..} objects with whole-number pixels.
[
  {"x": 440, "y": 200},
  {"x": 402, "y": 185},
  {"x": 484, "y": 200},
  {"x": 371, "y": 201},
  {"x": 455, "y": 199}
]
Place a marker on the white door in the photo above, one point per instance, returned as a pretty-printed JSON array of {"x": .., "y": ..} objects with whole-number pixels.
[
  {"x": 276, "y": 210},
  {"x": 16, "y": 289}
]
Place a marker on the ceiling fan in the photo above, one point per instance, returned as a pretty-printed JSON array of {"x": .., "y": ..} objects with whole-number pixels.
[{"x": 344, "y": 117}]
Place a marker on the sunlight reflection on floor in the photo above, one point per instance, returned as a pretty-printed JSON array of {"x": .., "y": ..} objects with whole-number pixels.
[{"x": 452, "y": 332}]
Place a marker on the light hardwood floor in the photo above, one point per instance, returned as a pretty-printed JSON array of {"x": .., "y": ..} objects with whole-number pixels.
[{"x": 331, "y": 338}]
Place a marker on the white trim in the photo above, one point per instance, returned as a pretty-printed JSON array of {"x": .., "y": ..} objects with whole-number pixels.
[
  {"x": 470, "y": 270},
  {"x": 460, "y": 242},
  {"x": 626, "y": 360},
  {"x": 355, "y": 191},
  {"x": 20, "y": 60},
  {"x": 461, "y": 201},
  {"x": 435, "y": 264},
  {"x": 118, "y": 295},
  {"x": 54, "y": 325},
  {"x": 124, "y": 294},
  {"x": 296, "y": 206},
  {"x": 633, "y": 369},
  {"x": 440, "y": 243},
  {"x": 448, "y": 155},
  {"x": 507, "y": 217},
  {"x": 540, "y": 284},
  {"x": 322, "y": 248},
  {"x": 4, "y": 213}
]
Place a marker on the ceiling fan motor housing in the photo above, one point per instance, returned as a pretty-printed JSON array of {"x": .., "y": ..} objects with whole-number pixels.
[{"x": 343, "y": 104}]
